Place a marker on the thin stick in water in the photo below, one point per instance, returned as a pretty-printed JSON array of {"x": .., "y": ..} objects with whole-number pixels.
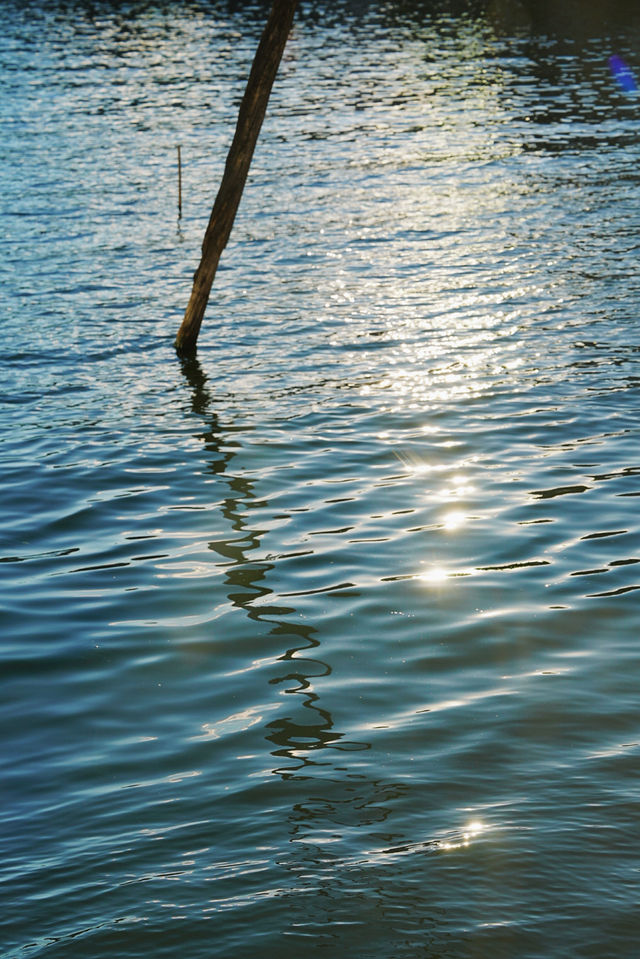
[{"x": 179, "y": 184}]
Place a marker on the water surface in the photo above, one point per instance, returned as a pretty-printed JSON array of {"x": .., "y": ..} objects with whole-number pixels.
[{"x": 324, "y": 642}]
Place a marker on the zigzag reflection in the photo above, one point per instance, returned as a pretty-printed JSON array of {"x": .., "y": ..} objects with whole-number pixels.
[{"x": 308, "y": 728}]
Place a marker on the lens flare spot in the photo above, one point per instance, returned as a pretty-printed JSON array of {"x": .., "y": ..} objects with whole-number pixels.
[{"x": 621, "y": 72}]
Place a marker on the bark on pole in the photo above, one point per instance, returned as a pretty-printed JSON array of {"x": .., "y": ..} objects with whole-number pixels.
[{"x": 250, "y": 117}]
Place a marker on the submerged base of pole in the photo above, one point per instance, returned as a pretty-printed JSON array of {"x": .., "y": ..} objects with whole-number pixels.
[{"x": 187, "y": 338}]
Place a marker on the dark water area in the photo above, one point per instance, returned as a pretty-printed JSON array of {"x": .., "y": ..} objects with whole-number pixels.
[{"x": 327, "y": 642}]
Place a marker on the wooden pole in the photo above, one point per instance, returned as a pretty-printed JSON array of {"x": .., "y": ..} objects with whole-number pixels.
[
  {"x": 179, "y": 183},
  {"x": 250, "y": 117}
]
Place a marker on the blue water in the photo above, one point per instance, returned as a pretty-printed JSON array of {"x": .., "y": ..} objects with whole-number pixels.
[{"x": 325, "y": 642}]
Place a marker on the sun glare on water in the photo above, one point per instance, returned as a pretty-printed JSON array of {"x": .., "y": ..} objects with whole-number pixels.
[
  {"x": 454, "y": 519},
  {"x": 434, "y": 576},
  {"x": 472, "y": 831}
]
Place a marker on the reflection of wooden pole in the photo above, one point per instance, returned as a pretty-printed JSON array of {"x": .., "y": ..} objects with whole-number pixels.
[
  {"x": 179, "y": 184},
  {"x": 250, "y": 117}
]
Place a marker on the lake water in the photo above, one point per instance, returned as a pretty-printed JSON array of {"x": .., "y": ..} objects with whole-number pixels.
[{"x": 326, "y": 642}]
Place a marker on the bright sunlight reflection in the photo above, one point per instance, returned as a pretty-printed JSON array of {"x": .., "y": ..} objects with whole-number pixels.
[
  {"x": 472, "y": 830},
  {"x": 454, "y": 519},
  {"x": 434, "y": 575}
]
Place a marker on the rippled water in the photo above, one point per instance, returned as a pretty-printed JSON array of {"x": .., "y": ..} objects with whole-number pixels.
[{"x": 325, "y": 643}]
